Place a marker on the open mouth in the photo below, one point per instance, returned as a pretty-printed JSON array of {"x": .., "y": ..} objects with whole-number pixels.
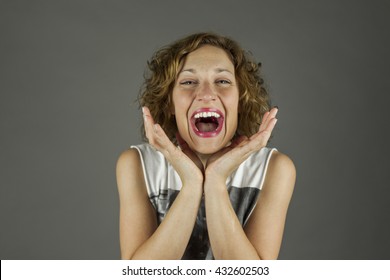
[{"x": 207, "y": 122}]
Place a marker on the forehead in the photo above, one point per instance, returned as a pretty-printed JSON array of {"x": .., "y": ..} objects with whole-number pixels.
[{"x": 208, "y": 56}]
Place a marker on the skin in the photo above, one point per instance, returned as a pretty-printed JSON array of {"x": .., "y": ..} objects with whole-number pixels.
[{"x": 206, "y": 80}]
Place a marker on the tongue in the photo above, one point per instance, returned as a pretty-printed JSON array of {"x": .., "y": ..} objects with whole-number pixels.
[{"x": 206, "y": 127}]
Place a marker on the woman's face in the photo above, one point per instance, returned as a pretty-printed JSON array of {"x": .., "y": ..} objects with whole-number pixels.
[{"x": 205, "y": 100}]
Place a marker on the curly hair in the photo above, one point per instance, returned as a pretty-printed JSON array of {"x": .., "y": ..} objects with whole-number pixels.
[{"x": 156, "y": 92}]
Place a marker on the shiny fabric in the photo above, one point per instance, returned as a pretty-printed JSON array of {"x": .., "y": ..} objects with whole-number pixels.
[{"x": 163, "y": 185}]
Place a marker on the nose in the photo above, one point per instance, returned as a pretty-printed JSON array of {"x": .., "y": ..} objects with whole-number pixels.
[{"x": 206, "y": 93}]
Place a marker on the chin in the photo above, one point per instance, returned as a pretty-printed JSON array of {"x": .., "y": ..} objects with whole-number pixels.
[
  {"x": 209, "y": 146},
  {"x": 207, "y": 150}
]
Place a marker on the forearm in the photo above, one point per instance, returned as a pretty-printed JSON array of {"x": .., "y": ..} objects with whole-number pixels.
[
  {"x": 227, "y": 237},
  {"x": 170, "y": 239}
]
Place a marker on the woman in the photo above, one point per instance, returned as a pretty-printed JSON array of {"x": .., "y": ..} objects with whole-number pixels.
[{"x": 205, "y": 186}]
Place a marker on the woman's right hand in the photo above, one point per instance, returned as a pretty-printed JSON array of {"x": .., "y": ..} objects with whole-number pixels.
[{"x": 183, "y": 159}]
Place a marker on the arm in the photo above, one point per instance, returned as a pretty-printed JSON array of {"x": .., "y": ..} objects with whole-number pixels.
[
  {"x": 227, "y": 237},
  {"x": 265, "y": 227},
  {"x": 261, "y": 238},
  {"x": 140, "y": 238}
]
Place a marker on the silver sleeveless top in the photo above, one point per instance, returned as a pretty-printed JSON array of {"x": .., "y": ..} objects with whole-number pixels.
[{"x": 163, "y": 185}]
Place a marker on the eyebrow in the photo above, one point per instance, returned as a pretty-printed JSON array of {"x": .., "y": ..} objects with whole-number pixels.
[{"x": 217, "y": 70}]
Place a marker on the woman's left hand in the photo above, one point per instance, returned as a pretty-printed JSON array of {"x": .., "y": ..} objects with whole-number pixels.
[{"x": 224, "y": 162}]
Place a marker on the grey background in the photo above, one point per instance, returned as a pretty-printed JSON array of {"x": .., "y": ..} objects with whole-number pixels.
[{"x": 71, "y": 70}]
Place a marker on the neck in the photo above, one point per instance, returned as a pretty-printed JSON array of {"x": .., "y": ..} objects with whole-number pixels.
[{"x": 203, "y": 158}]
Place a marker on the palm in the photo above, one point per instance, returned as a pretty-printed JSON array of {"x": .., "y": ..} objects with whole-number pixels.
[
  {"x": 183, "y": 160},
  {"x": 224, "y": 162}
]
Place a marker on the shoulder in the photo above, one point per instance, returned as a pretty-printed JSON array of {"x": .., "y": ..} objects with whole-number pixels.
[
  {"x": 281, "y": 173},
  {"x": 128, "y": 159},
  {"x": 129, "y": 172},
  {"x": 139, "y": 155},
  {"x": 143, "y": 165},
  {"x": 280, "y": 162}
]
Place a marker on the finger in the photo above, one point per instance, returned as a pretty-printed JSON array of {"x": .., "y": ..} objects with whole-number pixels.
[
  {"x": 148, "y": 122},
  {"x": 147, "y": 115},
  {"x": 261, "y": 138},
  {"x": 271, "y": 114},
  {"x": 268, "y": 116},
  {"x": 271, "y": 125},
  {"x": 155, "y": 134},
  {"x": 161, "y": 142},
  {"x": 264, "y": 119}
]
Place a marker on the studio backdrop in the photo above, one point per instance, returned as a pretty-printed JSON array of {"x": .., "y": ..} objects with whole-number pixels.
[{"x": 70, "y": 73}]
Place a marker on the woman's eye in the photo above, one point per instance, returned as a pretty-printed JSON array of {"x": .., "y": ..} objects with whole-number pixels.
[
  {"x": 224, "y": 82},
  {"x": 187, "y": 83}
]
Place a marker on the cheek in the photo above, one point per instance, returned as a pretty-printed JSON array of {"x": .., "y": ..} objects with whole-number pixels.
[
  {"x": 234, "y": 123},
  {"x": 232, "y": 103},
  {"x": 179, "y": 110},
  {"x": 179, "y": 103}
]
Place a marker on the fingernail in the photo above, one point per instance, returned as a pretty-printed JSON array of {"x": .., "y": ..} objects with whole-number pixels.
[
  {"x": 143, "y": 110},
  {"x": 276, "y": 107}
]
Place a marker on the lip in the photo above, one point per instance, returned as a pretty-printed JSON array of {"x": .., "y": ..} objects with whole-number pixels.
[{"x": 211, "y": 133}]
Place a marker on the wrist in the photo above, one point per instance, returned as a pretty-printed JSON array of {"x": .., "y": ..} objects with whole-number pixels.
[
  {"x": 194, "y": 180},
  {"x": 192, "y": 189},
  {"x": 214, "y": 182},
  {"x": 215, "y": 177}
]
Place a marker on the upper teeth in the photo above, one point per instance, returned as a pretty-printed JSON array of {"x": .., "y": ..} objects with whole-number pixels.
[{"x": 206, "y": 114}]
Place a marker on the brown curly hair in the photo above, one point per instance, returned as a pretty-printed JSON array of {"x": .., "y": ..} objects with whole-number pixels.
[{"x": 156, "y": 92}]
